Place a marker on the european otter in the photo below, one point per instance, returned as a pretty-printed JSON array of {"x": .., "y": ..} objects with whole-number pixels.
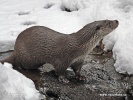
[{"x": 38, "y": 45}]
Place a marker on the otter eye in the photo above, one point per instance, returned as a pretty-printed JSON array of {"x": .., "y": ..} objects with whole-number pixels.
[
  {"x": 109, "y": 24},
  {"x": 98, "y": 27}
]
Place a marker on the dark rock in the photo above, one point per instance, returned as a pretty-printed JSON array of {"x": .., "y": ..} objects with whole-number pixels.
[{"x": 102, "y": 83}]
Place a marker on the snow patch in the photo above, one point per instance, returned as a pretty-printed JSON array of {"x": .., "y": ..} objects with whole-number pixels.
[
  {"x": 15, "y": 86},
  {"x": 72, "y": 5},
  {"x": 48, "y": 5},
  {"x": 23, "y": 13},
  {"x": 29, "y": 23}
]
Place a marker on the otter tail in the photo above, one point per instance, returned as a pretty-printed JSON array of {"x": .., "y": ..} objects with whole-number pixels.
[{"x": 9, "y": 60}]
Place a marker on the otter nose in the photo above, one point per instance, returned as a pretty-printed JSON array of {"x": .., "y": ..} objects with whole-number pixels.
[{"x": 116, "y": 21}]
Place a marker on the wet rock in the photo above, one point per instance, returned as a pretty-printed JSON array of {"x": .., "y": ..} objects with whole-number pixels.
[{"x": 103, "y": 82}]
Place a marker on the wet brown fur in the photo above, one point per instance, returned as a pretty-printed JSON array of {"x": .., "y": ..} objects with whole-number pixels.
[{"x": 38, "y": 45}]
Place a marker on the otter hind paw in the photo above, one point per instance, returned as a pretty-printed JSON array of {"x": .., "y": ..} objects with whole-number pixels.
[
  {"x": 81, "y": 78},
  {"x": 63, "y": 79}
]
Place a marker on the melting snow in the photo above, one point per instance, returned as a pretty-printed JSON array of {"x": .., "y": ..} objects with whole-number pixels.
[{"x": 66, "y": 16}]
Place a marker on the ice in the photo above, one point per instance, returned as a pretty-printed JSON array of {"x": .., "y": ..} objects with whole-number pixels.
[{"x": 15, "y": 86}]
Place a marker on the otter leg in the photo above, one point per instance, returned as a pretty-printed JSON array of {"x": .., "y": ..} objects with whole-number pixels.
[
  {"x": 76, "y": 66},
  {"x": 60, "y": 69}
]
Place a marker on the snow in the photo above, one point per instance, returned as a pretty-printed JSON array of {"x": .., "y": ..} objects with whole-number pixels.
[
  {"x": 68, "y": 16},
  {"x": 15, "y": 86}
]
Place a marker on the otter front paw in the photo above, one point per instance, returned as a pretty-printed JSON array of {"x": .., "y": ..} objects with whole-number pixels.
[{"x": 63, "y": 79}]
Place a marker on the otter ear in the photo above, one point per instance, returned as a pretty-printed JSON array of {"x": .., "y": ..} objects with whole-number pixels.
[{"x": 98, "y": 27}]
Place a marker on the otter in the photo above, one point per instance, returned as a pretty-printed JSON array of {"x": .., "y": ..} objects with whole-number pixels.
[{"x": 39, "y": 45}]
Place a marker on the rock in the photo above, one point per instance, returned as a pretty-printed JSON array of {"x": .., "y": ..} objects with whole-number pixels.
[{"x": 103, "y": 82}]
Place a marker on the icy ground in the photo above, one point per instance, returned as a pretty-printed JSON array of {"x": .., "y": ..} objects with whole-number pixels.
[{"x": 68, "y": 16}]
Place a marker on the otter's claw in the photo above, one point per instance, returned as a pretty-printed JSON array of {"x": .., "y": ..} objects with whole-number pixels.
[
  {"x": 63, "y": 79},
  {"x": 81, "y": 78}
]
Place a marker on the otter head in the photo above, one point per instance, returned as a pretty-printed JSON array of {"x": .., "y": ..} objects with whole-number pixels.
[{"x": 104, "y": 27}]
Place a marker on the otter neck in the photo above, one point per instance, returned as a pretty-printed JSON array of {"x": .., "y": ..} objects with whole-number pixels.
[{"x": 85, "y": 35}]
